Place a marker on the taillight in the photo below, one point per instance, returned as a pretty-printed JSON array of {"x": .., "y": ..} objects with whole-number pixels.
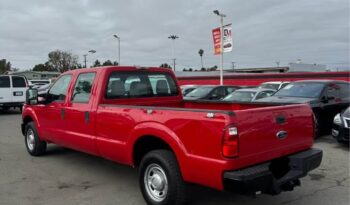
[{"x": 230, "y": 142}]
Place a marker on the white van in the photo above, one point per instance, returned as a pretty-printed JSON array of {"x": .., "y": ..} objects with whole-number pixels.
[{"x": 12, "y": 91}]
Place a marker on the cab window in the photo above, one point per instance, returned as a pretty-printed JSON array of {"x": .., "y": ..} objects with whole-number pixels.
[
  {"x": 140, "y": 84},
  {"x": 82, "y": 88},
  {"x": 59, "y": 90}
]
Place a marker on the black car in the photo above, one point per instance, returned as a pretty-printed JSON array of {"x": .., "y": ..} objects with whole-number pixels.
[
  {"x": 341, "y": 126},
  {"x": 210, "y": 92},
  {"x": 326, "y": 98}
]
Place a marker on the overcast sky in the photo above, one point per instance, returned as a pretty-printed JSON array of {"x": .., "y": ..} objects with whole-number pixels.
[{"x": 263, "y": 31}]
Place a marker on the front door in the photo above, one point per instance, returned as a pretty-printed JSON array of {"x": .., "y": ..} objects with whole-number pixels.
[{"x": 51, "y": 114}]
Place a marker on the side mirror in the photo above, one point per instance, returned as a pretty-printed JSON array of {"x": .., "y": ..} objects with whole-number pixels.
[{"x": 32, "y": 96}]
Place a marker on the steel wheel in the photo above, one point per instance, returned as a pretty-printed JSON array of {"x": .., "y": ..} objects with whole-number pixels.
[
  {"x": 156, "y": 182},
  {"x": 30, "y": 139}
]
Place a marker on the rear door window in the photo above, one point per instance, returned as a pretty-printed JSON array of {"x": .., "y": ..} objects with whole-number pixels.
[
  {"x": 18, "y": 82},
  {"x": 82, "y": 88},
  {"x": 4, "y": 82}
]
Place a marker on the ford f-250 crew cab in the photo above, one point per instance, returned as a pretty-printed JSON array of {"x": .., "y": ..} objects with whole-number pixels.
[{"x": 136, "y": 116}]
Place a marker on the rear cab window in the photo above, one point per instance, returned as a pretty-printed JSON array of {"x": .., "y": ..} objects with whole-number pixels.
[
  {"x": 18, "y": 82},
  {"x": 5, "y": 82},
  {"x": 140, "y": 85}
]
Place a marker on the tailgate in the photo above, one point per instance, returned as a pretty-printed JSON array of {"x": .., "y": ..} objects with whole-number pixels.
[{"x": 271, "y": 132}]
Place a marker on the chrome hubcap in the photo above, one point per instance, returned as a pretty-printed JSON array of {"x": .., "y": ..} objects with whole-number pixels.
[
  {"x": 156, "y": 182},
  {"x": 30, "y": 139}
]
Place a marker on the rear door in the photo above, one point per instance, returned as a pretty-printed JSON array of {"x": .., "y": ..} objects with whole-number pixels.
[
  {"x": 19, "y": 87},
  {"x": 5, "y": 89},
  {"x": 79, "y": 119}
]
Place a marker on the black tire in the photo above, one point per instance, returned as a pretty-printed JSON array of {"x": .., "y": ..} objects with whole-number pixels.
[
  {"x": 37, "y": 147},
  {"x": 176, "y": 187}
]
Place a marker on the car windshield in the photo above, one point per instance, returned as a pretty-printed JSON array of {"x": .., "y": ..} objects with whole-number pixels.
[
  {"x": 270, "y": 86},
  {"x": 242, "y": 96},
  {"x": 200, "y": 92},
  {"x": 306, "y": 90}
]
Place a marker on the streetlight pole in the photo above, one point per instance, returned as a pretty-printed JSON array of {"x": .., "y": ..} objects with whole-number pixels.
[
  {"x": 118, "y": 38},
  {"x": 222, "y": 43},
  {"x": 85, "y": 55},
  {"x": 173, "y": 37}
]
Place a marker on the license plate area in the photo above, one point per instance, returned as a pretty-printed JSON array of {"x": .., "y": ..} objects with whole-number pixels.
[{"x": 18, "y": 93}]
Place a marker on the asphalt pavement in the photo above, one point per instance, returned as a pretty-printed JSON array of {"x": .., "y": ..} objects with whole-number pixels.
[{"x": 64, "y": 176}]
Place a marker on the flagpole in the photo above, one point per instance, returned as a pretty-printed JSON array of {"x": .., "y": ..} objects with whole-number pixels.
[
  {"x": 221, "y": 44},
  {"x": 222, "y": 51}
]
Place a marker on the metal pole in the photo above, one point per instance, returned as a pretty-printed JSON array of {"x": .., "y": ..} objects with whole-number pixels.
[
  {"x": 172, "y": 48},
  {"x": 118, "y": 50},
  {"x": 85, "y": 60},
  {"x": 222, "y": 51}
]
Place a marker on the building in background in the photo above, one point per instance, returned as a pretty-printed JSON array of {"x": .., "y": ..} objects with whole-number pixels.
[{"x": 38, "y": 75}]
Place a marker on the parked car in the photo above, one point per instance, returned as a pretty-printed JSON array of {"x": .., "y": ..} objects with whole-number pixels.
[
  {"x": 38, "y": 83},
  {"x": 326, "y": 97},
  {"x": 275, "y": 85},
  {"x": 185, "y": 89},
  {"x": 210, "y": 92},
  {"x": 249, "y": 94},
  {"x": 12, "y": 91},
  {"x": 171, "y": 141},
  {"x": 341, "y": 126},
  {"x": 43, "y": 89}
]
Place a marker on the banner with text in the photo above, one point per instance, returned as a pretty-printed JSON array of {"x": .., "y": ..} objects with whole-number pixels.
[{"x": 227, "y": 39}]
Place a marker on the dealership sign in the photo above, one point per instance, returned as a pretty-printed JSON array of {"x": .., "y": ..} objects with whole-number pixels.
[{"x": 227, "y": 39}]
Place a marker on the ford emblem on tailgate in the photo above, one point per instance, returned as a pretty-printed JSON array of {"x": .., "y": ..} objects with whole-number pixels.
[{"x": 282, "y": 134}]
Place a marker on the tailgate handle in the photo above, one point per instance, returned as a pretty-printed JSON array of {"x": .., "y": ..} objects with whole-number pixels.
[{"x": 280, "y": 119}]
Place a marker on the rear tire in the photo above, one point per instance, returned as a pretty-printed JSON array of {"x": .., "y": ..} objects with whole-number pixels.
[
  {"x": 160, "y": 179},
  {"x": 34, "y": 145}
]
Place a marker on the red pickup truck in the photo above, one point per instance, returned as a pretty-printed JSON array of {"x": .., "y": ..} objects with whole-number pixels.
[{"x": 136, "y": 116}]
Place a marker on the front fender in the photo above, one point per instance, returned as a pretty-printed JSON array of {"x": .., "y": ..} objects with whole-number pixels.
[{"x": 29, "y": 111}]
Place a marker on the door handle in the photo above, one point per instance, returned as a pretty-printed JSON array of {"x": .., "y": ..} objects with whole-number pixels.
[
  {"x": 62, "y": 114},
  {"x": 87, "y": 117}
]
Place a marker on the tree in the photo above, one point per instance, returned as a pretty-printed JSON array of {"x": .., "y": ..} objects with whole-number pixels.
[
  {"x": 4, "y": 66},
  {"x": 203, "y": 69},
  {"x": 201, "y": 52},
  {"x": 42, "y": 67},
  {"x": 165, "y": 65},
  {"x": 62, "y": 61},
  {"x": 97, "y": 63}
]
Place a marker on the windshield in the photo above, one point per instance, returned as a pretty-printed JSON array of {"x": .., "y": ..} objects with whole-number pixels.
[
  {"x": 305, "y": 90},
  {"x": 200, "y": 92},
  {"x": 270, "y": 86},
  {"x": 242, "y": 96}
]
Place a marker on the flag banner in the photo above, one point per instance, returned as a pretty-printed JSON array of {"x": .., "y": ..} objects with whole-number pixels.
[
  {"x": 217, "y": 40},
  {"x": 227, "y": 39}
]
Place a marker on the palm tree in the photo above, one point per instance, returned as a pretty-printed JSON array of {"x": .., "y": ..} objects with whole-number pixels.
[{"x": 201, "y": 52}]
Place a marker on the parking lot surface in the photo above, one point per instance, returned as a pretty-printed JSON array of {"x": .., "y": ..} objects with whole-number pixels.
[{"x": 64, "y": 176}]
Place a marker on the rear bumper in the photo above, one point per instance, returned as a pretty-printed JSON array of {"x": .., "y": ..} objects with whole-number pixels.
[
  {"x": 11, "y": 104},
  {"x": 275, "y": 176}
]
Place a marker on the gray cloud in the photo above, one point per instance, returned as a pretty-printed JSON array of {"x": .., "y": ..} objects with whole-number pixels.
[{"x": 263, "y": 31}]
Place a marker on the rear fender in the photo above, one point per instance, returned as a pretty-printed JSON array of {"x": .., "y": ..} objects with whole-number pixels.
[{"x": 162, "y": 132}]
